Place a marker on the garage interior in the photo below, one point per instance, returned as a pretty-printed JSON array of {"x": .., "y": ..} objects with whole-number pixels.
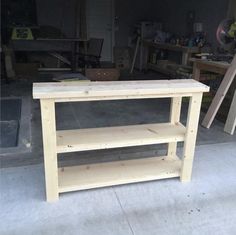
[{"x": 116, "y": 56}]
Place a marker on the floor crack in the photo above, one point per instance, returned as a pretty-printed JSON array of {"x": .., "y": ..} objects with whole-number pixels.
[
  {"x": 75, "y": 116},
  {"x": 126, "y": 218}
]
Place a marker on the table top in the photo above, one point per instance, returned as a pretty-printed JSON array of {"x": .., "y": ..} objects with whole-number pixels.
[
  {"x": 219, "y": 64},
  {"x": 111, "y": 90}
]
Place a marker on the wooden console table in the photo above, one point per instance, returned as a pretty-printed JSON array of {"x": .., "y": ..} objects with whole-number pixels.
[{"x": 59, "y": 180}]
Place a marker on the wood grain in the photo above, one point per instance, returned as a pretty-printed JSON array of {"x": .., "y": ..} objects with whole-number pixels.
[
  {"x": 115, "y": 137},
  {"x": 220, "y": 95},
  {"x": 49, "y": 148},
  {"x": 116, "y": 173},
  {"x": 230, "y": 124},
  {"x": 190, "y": 137},
  {"x": 110, "y": 89}
]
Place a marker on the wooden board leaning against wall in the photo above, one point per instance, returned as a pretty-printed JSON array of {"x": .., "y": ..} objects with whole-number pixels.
[{"x": 227, "y": 86}]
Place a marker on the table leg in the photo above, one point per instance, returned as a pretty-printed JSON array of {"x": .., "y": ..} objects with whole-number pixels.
[
  {"x": 196, "y": 72},
  {"x": 190, "y": 136},
  {"x": 74, "y": 56},
  {"x": 185, "y": 58},
  {"x": 141, "y": 56},
  {"x": 85, "y": 51},
  {"x": 49, "y": 148},
  {"x": 175, "y": 112},
  {"x": 145, "y": 58}
]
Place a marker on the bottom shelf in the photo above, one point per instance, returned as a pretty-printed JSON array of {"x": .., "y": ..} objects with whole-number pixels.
[{"x": 115, "y": 173}]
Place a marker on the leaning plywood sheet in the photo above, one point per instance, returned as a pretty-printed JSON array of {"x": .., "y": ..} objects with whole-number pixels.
[
  {"x": 116, "y": 90},
  {"x": 220, "y": 95},
  {"x": 230, "y": 124}
]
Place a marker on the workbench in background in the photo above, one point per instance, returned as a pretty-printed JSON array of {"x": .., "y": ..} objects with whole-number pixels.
[
  {"x": 146, "y": 46},
  {"x": 218, "y": 67},
  {"x": 53, "y": 47}
]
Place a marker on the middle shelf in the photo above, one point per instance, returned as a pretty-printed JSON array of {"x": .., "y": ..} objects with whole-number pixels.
[{"x": 119, "y": 136}]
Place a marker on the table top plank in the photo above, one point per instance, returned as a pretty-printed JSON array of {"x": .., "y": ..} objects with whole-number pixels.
[{"x": 116, "y": 88}]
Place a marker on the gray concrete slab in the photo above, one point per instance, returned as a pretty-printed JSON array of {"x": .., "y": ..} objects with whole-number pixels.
[
  {"x": 9, "y": 134},
  {"x": 24, "y": 211},
  {"x": 23, "y": 137},
  {"x": 206, "y": 205}
]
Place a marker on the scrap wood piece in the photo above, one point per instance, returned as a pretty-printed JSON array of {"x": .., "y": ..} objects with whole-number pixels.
[
  {"x": 135, "y": 55},
  {"x": 230, "y": 124},
  {"x": 220, "y": 94}
]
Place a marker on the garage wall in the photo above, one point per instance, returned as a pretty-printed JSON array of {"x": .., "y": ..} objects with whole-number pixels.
[
  {"x": 128, "y": 12},
  {"x": 208, "y": 12},
  {"x": 172, "y": 13},
  {"x": 57, "y": 13}
]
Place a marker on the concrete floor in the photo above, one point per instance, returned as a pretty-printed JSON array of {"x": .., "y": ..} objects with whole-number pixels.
[{"x": 206, "y": 205}]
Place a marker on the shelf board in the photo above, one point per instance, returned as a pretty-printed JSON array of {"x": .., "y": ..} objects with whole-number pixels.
[
  {"x": 116, "y": 173},
  {"x": 121, "y": 136},
  {"x": 116, "y": 90}
]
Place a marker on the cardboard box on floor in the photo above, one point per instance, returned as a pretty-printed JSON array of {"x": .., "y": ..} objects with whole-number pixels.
[{"x": 103, "y": 74}]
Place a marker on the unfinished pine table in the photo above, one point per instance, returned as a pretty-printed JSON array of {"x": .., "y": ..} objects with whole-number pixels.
[{"x": 60, "y": 180}]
